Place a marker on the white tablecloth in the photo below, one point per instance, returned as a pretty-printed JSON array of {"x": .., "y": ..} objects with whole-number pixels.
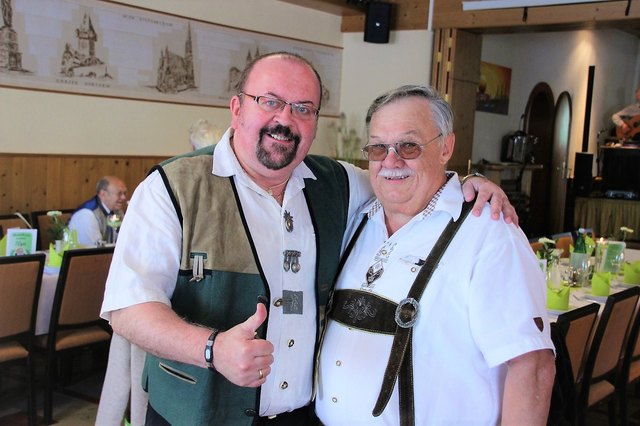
[{"x": 45, "y": 303}]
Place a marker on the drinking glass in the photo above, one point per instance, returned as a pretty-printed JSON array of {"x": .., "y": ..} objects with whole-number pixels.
[
  {"x": 579, "y": 267},
  {"x": 613, "y": 257}
]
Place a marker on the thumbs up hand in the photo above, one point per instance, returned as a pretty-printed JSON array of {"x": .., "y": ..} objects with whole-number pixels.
[{"x": 239, "y": 356}]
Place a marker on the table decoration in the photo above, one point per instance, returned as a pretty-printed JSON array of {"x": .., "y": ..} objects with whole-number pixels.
[
  {"x": 57, "y": 226},
  {"x": 601, "y": 283},
  {"x": 20, "y": 241},
  {"x": 613, "y": 257},
  {"x": 631, "y": 273},
  {"x": 548, "y": 254},
  {"x": 557, "y": 293},
  {"x": 558, "y": 298},
  {"x": 579, "y": 259}
]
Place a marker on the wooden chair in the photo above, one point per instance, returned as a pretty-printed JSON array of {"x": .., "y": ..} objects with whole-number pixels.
[
  {"x": 42, "y": 223},
  {"x": 20, "y": 280},
  {"x": 536, "y": 246},
  {"x": 563, "y": 241},
  {"x": 630, "y": 367},
  {"x": 572, "y": 334},
  {"x": 601, "y": 367},
  {"x": 75, "y": 316},
  {"x": 13, "y": 221}
]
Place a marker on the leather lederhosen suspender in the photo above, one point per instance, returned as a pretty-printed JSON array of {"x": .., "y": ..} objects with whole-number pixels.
[{"x": 366, "y": 311}]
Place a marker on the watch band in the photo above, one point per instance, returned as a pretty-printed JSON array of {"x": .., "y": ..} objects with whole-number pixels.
[{"x": 208, "y": 349}]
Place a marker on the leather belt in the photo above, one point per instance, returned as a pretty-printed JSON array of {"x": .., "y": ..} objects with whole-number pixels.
[{"x": 370, "y": 312}]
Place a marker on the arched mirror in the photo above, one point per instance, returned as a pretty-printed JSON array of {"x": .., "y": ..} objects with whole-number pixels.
[{"x": 559, "y": 158}]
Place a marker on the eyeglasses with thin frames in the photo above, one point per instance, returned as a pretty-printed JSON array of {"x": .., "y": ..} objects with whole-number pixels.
[
  {"x": 405, "y": 150},
  {"x": 270, "y": 104}
]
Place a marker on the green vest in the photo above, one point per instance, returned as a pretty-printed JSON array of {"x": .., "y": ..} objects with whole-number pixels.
[{"x": 213, "y": 226}]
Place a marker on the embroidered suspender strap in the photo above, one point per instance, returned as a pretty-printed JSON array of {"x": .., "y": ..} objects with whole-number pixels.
[
  {"x": 352, "y": 242},
  {"x": 364, "y": 311},
  {"x": 400, "y": 359}
]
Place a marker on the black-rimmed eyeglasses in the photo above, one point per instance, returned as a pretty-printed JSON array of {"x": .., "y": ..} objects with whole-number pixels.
[
  {"x": 405, "y": 150},
  {"x": 270, "y": 104}
]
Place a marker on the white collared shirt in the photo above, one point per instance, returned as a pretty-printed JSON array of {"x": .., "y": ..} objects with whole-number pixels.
[
  {"x": 476, "y": 313},
  {"x": 146, "y": 262}
]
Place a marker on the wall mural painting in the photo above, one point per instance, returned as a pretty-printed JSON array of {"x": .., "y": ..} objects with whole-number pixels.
[
  {"x": 106, "y": 49},
  {"x": 493, "y": 89}
]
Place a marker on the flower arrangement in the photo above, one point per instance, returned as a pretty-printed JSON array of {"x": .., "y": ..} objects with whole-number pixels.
[
  {"x": 548, "y": 252},
  {"x": 624, "y": 230},
  {"x": 56, "y": 230}
]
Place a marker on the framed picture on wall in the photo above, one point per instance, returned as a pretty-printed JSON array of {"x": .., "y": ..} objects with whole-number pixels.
[
  {"x": 104, "y": 48},
  {"x": 493, "y": 88}
]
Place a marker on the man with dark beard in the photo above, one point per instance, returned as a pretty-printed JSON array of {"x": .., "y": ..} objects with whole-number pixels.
[{"x": 203, "y": 242}]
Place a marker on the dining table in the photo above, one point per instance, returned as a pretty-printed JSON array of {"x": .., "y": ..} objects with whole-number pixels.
[{"x": 581, "y": 296}]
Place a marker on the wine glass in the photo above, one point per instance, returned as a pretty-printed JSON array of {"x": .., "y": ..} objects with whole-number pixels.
[{"x": 114, "y": 220}]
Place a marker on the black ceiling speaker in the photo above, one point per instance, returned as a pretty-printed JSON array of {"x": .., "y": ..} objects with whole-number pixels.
[{"x": 377, "y": 23}]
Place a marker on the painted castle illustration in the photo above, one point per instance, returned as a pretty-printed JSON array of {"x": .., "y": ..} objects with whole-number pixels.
[
  {"x": 10, "y": 56},
  {"x": 83, "y": 62},
  {"x": 235, "y": 73},
  {"x": 175, "y": 72}
]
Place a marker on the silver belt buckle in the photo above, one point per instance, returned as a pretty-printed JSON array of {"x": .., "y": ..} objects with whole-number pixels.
[{"x": 400, "y": 316}]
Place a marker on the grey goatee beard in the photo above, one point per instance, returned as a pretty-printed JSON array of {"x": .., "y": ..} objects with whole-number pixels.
[{"x": 281, "y": 156}]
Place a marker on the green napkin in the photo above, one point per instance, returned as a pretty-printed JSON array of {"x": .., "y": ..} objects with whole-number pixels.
[
  {"x": 55, "y": 258},
  {"x": 601, "y": 283},
  {"x": 558, "y": 298},
  {"x": 3, "y": 246},
  {"x": 632, "y": 273}
]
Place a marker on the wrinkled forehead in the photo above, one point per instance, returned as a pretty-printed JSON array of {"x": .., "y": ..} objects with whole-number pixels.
[
  {"x": 285, "y": 77},
  {"x": 117, "y": 186}
]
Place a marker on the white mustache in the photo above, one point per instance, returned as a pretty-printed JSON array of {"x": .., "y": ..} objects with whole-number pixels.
[{"x": 395, "y": 173}]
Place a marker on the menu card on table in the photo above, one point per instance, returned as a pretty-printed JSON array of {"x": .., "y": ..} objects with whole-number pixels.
[{"x": 20, "y": 241}]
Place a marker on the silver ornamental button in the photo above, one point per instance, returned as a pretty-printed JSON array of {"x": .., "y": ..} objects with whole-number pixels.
[{"x": 288, "y": 221}]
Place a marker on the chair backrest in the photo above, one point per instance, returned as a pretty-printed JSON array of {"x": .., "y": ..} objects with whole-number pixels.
[
  {"x": 577, "y": 326},
  {"x": 609, "y": 338},
  {"x": 12, "y": 221},
  {"x": 42, "y": 223},
  {"x": 80, "y": 288},
  {"x": 20, "y": 280},
  {"x": 536, "y": 246},
  {"x": 563, "y": 241},
  {"x": 632, "y": 349}
]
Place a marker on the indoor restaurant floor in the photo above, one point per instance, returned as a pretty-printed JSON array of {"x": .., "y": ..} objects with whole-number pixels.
[{"x": 72, "y": 411}]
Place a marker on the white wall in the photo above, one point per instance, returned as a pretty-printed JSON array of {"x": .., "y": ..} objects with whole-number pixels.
[
  {"x": 562, "y": 60},
  {"x": 370, "y": 69},
  {"x": 40, "y": 122}
]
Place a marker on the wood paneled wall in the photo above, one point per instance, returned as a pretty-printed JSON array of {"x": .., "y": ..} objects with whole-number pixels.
[{"x": 30, "y": 182}]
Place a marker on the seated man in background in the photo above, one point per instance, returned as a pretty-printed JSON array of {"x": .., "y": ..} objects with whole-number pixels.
[
  {"x": 466, "y": 336},
  {"x": 90, "y": 219}
]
